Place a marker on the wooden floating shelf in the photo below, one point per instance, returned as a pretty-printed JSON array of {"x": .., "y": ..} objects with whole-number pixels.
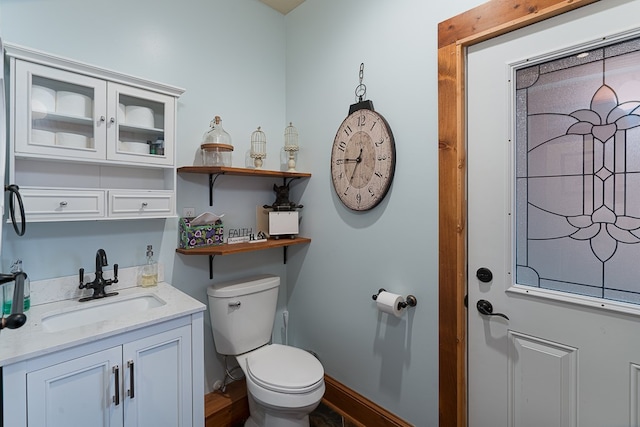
[
  {"x": 224, "y": 170},
  {"x": 215, "y": 171},
  {"x": 236, "y": 248}
]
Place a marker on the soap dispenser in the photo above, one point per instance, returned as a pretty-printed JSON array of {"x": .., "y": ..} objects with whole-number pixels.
[{"x": 150, "y": 270}]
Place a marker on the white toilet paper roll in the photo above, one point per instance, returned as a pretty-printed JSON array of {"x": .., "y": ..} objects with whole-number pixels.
[{"x": 389, "y": 303}]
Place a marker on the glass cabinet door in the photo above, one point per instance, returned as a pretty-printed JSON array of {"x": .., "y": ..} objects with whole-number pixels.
[
  {"x": 58, "y": 113},
  {"x": 140, "y": 125}
]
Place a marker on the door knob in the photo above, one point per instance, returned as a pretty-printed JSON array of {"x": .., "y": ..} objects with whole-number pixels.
[
  {"x": 486, "y": 308},
  {"x": 484, "y": 275}
]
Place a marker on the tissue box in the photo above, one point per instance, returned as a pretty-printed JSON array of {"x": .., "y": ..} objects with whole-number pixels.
[{"x": 193, "y": 236}]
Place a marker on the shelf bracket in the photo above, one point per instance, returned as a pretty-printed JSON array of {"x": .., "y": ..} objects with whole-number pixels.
[
  {"x": 212, "y": 181},
  {"x": 211, "y": 257},
  {"x": 284, "y": 180}
]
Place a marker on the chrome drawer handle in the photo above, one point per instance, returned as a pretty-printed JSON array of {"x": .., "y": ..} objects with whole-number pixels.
[{"x": 235, "y": 304}]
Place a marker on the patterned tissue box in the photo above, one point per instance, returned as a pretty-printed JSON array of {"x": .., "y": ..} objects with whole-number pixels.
[{"x": 193, "y": 236}]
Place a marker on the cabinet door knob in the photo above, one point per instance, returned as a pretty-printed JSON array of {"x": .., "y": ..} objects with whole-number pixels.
[
  {"x": 103, "y": 119},
  {"x": 145, "y": 204},
  {"x": 112, "y": 119},
  {"x": 63, "y": 203}
]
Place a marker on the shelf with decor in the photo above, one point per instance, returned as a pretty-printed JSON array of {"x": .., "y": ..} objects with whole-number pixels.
[
  {"x": 215, "y": 171},
  {"x": 236, "y": 248},
  {"x": 227, "y": 249},
  {"x": 228, "y": 170}
]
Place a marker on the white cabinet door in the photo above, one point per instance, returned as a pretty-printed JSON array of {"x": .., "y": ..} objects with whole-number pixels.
[
  {"x": 158, "y": 380},
  {"x": 79, "y": 392},
  {"x": 140, "y": 125},
  {"x": 58, "y": 113}
]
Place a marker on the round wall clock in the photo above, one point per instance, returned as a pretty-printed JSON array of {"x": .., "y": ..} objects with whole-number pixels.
[{"x": 363, "y": 158}]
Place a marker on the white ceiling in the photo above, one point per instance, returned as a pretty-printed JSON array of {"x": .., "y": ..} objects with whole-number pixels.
[{"x": 283, "y": 6}]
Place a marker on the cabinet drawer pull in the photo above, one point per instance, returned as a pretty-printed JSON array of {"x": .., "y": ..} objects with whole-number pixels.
[
  {"x": 63, "y": 203},
  {"x": 235, "y": 304},
  {"x": 103, "y": 119},
  {"x": 116, "y": 372},
  {"x": 145, "y": 204},
  {"x": 112, "y": 119},
  {"x": 131, "y": 392}
]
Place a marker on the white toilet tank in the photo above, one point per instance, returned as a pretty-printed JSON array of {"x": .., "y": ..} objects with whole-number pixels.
[{"x": 242, "y": 313}]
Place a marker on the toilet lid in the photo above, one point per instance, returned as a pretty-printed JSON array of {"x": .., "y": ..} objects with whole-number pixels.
[{"x": 284, "y": 369}]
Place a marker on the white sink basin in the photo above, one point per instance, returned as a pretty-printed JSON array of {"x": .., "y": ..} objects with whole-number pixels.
[{"x": 97, "y": 311}]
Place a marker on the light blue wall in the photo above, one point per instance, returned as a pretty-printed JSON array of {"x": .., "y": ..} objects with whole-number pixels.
[
  {"x": 254, "y": 67},
  {"x": 392, "y": 361},
  {"x": 229, "y": 55}
]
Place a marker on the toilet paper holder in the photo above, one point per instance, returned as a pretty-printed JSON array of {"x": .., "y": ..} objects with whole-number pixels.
[{"x": 409, "y": 301}]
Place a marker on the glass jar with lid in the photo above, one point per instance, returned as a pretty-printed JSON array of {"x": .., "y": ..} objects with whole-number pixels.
[{"x": 216, "y": 145}]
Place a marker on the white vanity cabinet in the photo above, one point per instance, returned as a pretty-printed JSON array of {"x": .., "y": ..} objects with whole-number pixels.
[
  {"x": 138, "y": 379},
  {"x": 75, "y": 128}
]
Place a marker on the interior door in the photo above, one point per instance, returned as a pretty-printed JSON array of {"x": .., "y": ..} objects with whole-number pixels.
[{"x": 563, "y": 174}]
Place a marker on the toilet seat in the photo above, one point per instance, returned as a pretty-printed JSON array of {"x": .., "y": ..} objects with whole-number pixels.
[{"x": 284, "y": 369}]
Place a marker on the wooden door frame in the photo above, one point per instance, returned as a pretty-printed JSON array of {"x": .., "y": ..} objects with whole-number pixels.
[{"x": 489, "y": 20}]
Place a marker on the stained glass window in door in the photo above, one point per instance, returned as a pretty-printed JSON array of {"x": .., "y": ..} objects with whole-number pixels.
[{"x": 577, "y": 167}]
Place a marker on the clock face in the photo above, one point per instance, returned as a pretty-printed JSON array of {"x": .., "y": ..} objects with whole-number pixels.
[{"x": 363, "y": 160}]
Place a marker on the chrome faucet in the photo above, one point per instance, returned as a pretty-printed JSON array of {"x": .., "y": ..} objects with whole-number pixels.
[{"x": 99, "y": 283}]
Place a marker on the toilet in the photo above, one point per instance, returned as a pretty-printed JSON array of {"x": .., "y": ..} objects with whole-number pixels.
[{"x": 284, "y": 383}]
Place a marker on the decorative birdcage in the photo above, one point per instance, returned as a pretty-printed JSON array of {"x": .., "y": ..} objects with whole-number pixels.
[
  {"x": 258, "y": 147},
  {"x": 291, "y": 145}
]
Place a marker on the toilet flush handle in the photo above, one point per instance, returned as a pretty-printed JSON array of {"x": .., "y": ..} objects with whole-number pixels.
[{"x": 235, "y": 304}]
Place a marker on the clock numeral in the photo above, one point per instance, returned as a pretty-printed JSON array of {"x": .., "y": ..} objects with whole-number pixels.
[
  {"x": 358, "y": 198},
  {"x": 373, "y": 194},
  {"x": 379, "y": 175},
  {"x": 346, "y": 190},
  {"x": 342, "y": 146},
  {"x": 382, "y": 157},
  {"x": 379, "y": 143},
  {"x": 362, "y": 120},
  {"x": 373, "y": 125},
  {"x": 339, "y": 161},
  {"x": 348, "y": 131}
]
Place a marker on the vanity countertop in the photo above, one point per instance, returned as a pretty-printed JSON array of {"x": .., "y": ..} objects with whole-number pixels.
[{"x": 33, "y": 340}]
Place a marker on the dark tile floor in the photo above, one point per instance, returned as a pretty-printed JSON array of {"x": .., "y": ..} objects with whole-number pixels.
[{"x": 323, "y": 416}]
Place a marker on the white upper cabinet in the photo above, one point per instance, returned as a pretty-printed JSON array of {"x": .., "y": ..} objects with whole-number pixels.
[{"x": 78, "y": 130}]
